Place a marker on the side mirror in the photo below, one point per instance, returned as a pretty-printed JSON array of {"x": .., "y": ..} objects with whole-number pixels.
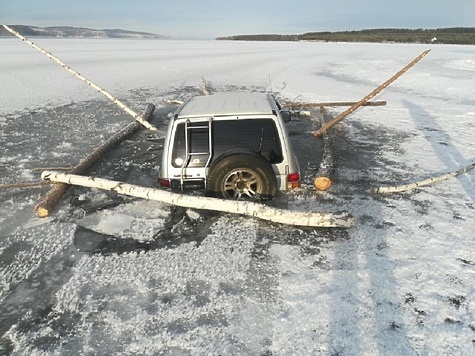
[{"x": 286, "y": 116}]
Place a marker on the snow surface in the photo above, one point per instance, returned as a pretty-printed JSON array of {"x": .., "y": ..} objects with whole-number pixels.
[{"x": 138, "y": 277}]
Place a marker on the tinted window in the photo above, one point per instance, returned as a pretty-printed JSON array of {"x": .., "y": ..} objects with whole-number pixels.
[{"x": 257, "y": 135}]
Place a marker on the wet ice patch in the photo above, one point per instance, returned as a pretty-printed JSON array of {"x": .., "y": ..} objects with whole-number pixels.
[{"x": 139, "y": 220}]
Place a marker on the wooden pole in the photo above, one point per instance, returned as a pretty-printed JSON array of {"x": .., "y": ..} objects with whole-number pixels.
[
  {"x": 54, "y": 195},
  {"x": 323, "y": 180},
  {"x": 41, "y": 169},
  {"x": 407, "y": 187},
  {"x": 368, "y": 97},
  {"x": 24, "y": 185},
  {"x": 257, "y": 210},
  {"x": 335, "y": 103},
  {"x": 85, "y": 80}
]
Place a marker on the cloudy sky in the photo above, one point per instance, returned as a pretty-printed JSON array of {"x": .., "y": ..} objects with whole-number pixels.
[{"x": 212, "y": 18}]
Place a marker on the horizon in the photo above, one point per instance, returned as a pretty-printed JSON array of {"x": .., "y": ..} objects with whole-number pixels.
[
  {"x": 211, "y": 18},
  {"x": 253, "y": 34}
]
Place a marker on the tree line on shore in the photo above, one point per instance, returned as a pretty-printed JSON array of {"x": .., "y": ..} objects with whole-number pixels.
[{"x": 456, "y": 35}]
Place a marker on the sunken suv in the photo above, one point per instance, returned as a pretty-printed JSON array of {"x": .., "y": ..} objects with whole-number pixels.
[{"x": 233, "y": 144}]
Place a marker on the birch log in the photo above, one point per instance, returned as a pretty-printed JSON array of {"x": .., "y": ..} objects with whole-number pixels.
[
  {"x": 422, "y": 183},
  {"x": 257, "y": 210},
  {"x": 54, "y": 195},
  {"x": 368, "y": 97},
  {"x": 116, "y": 101}
]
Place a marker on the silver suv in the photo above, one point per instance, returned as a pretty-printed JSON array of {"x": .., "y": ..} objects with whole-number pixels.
[{"x": 234, "y": 145}]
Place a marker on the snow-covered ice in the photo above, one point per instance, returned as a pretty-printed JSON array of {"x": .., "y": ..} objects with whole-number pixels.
[{"x": 111, "y": 276}]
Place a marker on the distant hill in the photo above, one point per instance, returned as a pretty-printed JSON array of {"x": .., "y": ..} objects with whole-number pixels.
[
  {"x": 456, "y": 35},
  {"x": 78, "y": 32}
]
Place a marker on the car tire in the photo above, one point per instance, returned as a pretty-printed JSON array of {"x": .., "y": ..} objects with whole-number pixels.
[{"x": 241, "y": 175}]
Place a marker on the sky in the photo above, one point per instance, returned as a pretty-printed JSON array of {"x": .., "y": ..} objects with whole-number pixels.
[{"x": 213, "y": 18}]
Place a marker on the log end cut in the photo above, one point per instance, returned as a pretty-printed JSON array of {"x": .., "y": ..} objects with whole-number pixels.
[
  {"x": 41, "y": 212},
  {"x": 322, "y": 183}
]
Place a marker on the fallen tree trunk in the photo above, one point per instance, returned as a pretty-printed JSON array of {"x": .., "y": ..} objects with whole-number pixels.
[
  {"x": 116, "y": 101},
  {"x": 261, "y": 211},
  {"x": 54, "y": 195},
  {"x": 407, "y": 187},
  {"x": 336, "y": 103},
  {"x": 368, "y": 97}
]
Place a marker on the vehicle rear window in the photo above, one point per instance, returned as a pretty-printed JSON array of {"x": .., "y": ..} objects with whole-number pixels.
[{"x": 257, "y": 135}]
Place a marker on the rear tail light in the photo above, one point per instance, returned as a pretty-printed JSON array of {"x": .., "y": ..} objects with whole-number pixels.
[
  {"x": 293, "y": 180},
  {"x": 164, "y": 183}
]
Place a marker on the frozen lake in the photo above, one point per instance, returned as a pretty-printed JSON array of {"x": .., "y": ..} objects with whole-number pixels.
[{"x": 112, "y": 275}]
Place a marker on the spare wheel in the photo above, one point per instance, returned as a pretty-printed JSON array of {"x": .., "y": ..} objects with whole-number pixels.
[{"x": 241, "y": 174}]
